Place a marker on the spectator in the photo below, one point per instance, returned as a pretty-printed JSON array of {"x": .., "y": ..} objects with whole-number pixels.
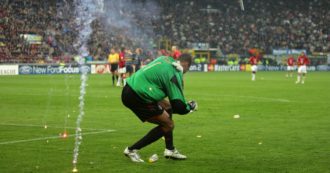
[{"x": 295, "y": 24}]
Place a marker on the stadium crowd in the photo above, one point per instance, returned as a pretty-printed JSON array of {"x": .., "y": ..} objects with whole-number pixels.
[{"x": 265, "y": 25}]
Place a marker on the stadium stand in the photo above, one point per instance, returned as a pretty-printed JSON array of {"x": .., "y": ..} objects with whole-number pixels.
[{"x": 44, "y": 31}]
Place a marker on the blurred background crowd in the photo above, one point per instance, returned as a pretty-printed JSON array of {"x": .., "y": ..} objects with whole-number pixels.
[{"x": 41, "y": 31}]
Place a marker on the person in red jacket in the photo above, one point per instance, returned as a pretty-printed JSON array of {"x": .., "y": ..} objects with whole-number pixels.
[
  {"x": 290, "y": 66},
  {"x": 122, "y": 67},
  {"x": 175, "y": 52},
  {"x": 254, "y": 68},
  {"x": 302, "y": 62}
]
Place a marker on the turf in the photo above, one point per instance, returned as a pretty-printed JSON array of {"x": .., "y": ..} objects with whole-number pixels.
[{"x": 283, "y": 127}]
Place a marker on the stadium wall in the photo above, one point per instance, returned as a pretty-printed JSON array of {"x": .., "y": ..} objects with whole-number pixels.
[
  {"x": 52, "y": 69},
  {"x": 222, "y": 68},
  {"x": 101, "y": 68},
  {"x": 104, "y": 68},
  {"x": 28, "y": 69},
  {"x": 8, "y": 69}
]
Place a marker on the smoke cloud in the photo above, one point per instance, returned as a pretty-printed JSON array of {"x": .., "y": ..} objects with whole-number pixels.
[{"x": 129, "y": 23}]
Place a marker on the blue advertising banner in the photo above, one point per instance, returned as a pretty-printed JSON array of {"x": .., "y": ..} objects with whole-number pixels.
[
  {"x": 323, "y": 68},
  {"x": 53, "y": 69},
  {"x": 196, "y": 67},
  {"x": 75, "y": 69},
  {"x": 288, "y": 51},
  {"x": 226, "y": 68},
  {"x": 222, "y": 68}
]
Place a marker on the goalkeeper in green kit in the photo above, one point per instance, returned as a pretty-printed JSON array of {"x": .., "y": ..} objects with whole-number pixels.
[{"x": 145, "y": 94}]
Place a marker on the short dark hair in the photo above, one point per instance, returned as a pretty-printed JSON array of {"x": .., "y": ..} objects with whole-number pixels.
[{"x": 185, "y": 57}]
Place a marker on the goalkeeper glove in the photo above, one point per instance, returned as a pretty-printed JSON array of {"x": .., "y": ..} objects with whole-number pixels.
[{"x": 178, "y": 66}]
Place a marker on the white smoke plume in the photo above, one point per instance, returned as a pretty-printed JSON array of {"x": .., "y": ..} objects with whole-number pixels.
[
  {"x": 86, "y": 12},
  {"x": 119, "y": 18},
  {"x": 131, "y": 20}
]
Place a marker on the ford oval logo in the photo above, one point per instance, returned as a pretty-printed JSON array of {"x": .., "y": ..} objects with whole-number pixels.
[{"x": 25, "y": 69}]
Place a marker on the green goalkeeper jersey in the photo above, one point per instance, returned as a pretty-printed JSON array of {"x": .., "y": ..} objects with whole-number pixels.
[{"x": 158, "y": 80}]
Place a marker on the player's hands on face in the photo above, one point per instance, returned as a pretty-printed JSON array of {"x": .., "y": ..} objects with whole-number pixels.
[{"x": 193, "y": 106}]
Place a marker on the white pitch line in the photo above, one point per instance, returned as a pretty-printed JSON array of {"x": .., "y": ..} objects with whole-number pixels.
[
  {"x": 56, "y": 127},
  {"x": 61, "y": 95},
  {"x": 251, "y": 97},
  {"x": 52, "y": 137},
  {"x": 261, "y": 98}
]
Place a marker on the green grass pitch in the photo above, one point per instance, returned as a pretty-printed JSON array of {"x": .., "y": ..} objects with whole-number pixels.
[{"x": 283, "y": 127}]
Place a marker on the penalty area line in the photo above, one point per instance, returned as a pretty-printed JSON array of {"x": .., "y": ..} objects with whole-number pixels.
[
  {"x": 262, "y": 98},
  {"x": 53, "y": 137},
  {"x": 56, "y": 127},
  {"x": 251, "y": 97}
]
